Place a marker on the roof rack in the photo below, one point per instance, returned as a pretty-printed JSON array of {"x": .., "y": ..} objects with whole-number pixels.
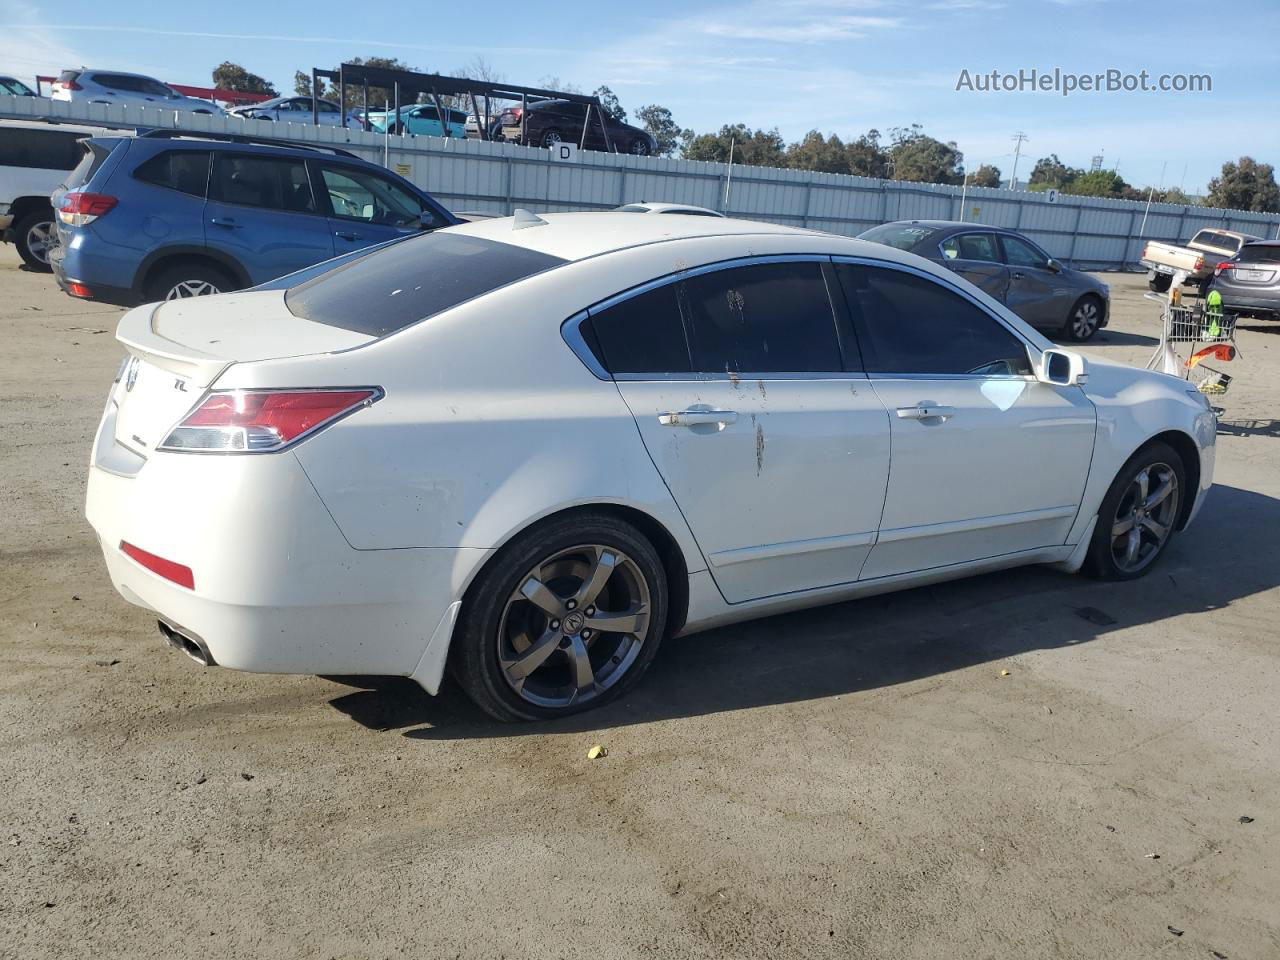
[{"x": 167, "y": 133}]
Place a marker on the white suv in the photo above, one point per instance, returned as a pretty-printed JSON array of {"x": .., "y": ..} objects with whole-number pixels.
[
  {"x": 35, "y": 157},
  {"x": 131, "y": 89}
]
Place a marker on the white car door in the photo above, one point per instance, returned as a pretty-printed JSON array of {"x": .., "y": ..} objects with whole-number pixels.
[
  {"x": 776, "y": 454},
  {"x": 987, "y": 461}
]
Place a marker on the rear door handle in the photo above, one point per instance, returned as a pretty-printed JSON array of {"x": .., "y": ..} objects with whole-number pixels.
[
  {"x": 926, "y": 411},
  {"x": 1018, "y": 275},
  {"x": 225, "y": 222},
  {"x": 346, "y": 235},
  {"x": 694, "y": 418}
]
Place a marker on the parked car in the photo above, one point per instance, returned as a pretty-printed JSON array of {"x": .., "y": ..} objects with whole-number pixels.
[
  {"x": 35, "y": 157},
  {"x": 131, "y": 89},
  {"x": 420, "y": 119},
  {"x": 473, "y": 123},
  {"x": 1009, "y": 267},
  {"x": 290, "y": 110},
  {"x": 683, "y": 208},
  {"x": 1197, "y": 259},
  {"x": 172, "y": 214},
  {"x": 554, "y": 121},
  {"x": 533, "y": 447},
  {"x": 1249, "y": 282},
  {"x": 15, "y": 87}
]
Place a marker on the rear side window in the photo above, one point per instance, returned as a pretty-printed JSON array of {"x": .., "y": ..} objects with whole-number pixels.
[
  {"x": 1258, "y": 252},
  {"x": 186, "y": 171},
  {"x": 971, "y": 246},
  {"x": 406, "y": 282},
  {"x": 908, "y": 324},
  {"x": 143, "y": 85},
  {"x": 250, "y": 181},
  {"x": 40, "y": 149},
  {"x": 90, "y": 161},
  {"x": 769, "y": 317},
  {"x": 643, "y": 334}
]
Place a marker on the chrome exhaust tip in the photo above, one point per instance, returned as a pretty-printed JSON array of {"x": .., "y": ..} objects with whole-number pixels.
[{"x": 186, "y": 643}]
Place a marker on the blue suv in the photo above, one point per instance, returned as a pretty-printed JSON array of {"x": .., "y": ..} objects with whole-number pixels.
[{"x": 171, "y": 214}]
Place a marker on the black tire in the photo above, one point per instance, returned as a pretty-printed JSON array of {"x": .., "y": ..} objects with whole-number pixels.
[
  {"x": 161, "y": 286},
  {"x": 1160, "y": 282},
  {"x": 551, "y": 137},
  {"x": 1085, "y": 319},
  {"x": 1203, "y": 286},
  {"x": 475, "y": 652},
  {"x": 640, "y": 147},
  {"x": 38, "y": 223},
  {"x": 397, "y": 130},
  {"x": 1101, "y": 561}
]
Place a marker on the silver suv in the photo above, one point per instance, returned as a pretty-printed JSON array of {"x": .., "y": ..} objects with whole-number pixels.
[{"x": 131, "y": 89}]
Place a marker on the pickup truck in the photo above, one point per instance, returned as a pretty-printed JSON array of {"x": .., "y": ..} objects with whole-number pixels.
[{"x": 1197, "y": 259}]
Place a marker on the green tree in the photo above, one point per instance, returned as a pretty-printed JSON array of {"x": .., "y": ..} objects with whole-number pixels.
[
  {"x": 1097, "y": 183},
  {"x": 1245, "y": 185},
  {"x": 609, "y": 104},
  {"x": 985, "y": 176},
  {"x": 659, "y": 124},
  {"x": 1174, "y": 195},
  {"x": 922, "y": 159},
  {"x": 866, "y": 156},
  {"x": 1050, "y": 172},
  {"x": 816, "y": 152},
  {"x": 232, "y": 76},
  {"x": 763, "y": 148}
]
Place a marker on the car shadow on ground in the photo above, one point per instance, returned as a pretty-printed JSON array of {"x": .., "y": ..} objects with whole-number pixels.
[
  {"x": 1116, "y": 338},
  {"x": 1249, "y": 427},
  {"x": 882, "y": 641}
]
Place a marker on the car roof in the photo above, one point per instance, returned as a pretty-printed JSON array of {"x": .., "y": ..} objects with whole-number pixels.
[
  {"x": 88, "y": 131},
  {"x": 120, "y": 73},
  {"x": 576, "y": 236}
]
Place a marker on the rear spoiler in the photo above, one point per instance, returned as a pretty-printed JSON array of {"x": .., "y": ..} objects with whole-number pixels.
[{"x": 137, "y": 333}]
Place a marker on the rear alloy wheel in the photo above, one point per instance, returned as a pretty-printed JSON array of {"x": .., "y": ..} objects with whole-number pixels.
[
  {"x": 189, "y": 280},
  {"x": 551, "y": 138},
  {"x": 564, "y": 619},
  {"x": 34, "y": 237},
  {"x": 1139, "y": 515},
  {"x": 1085, "y": 318},
  {"x": 640, "y": 147}
]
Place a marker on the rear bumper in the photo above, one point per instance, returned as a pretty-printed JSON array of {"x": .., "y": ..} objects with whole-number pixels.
[
  {"x": 104, "y": 293},
  {"x": 277, "y": 589}
]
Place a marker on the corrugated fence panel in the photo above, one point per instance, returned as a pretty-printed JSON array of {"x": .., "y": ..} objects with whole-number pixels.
[{"x": 471, "y": 175}]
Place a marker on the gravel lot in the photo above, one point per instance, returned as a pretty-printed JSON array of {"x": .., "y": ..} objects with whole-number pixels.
[{"x": 855, "y": 781}]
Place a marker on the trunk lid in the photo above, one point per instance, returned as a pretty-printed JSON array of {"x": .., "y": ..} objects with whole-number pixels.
[{"x": 179, "y": 348}]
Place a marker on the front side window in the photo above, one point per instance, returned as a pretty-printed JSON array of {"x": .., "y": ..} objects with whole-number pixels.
[
  {"x": 251, "y": 181},
  {"x": 1019, "y": 253},
  {"x": 186, "y": 171},
  {"x": 971, "y": 246},
  {"x": 768, "y": 317},
  {"x": 908, "y": 324},
  {"x": 361, "y": 195}
]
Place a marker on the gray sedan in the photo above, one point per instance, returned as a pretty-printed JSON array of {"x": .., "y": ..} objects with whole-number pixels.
[{"x": 1009, "y": 267}]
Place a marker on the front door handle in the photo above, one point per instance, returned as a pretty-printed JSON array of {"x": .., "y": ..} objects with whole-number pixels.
[
  {"x": 1019, "y": 275},
  {"x": 926, "y": 411},
  {"x": 227, "y": 222},
  {"x": 695, "y": 418},
  {"x": 346, "y": 235}
]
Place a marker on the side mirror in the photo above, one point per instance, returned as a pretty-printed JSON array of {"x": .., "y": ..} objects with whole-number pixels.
[
  {"x": 427, "y": 220},
  {"x": 1054, "y": 265},
  {"x": 1062, "y": 368}
]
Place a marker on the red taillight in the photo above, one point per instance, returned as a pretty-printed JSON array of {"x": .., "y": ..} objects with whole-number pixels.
[
  {"x": 1199, "y": 264},
  {"x": 249, "y": 421},
  {"x": 78, "y": 289},
  {"x": 176, "y": 572},
  {"x": 79, "y": 208},
  {"x": 1225, "y": 265}
]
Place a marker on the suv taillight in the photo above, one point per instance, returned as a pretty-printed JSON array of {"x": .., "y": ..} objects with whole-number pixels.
[
  {"x": 262, "y": 421},
  {"x": 1224, "y": 265},
  {"x": 78, "y": 208}
]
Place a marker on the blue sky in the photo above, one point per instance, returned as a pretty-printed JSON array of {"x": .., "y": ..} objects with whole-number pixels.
[{"x": 835, "y": 65}]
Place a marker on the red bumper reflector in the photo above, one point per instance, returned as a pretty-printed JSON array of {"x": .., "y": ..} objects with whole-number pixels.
[
  {"x": 77, "y": 289},
  {"x": 176, "y": 572}
]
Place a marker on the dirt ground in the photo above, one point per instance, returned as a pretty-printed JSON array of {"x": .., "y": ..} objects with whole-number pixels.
[{"x": 855, "y": 781}]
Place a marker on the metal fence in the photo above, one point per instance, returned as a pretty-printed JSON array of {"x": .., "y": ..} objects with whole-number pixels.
[{"x": 1089, "y": 232}]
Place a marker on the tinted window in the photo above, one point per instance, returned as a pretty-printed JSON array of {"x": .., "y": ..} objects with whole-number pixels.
[
  {"x": 904, "y": 236},
  {"x": 908, "y": 324},
  {"x": 970, "y": 246},
  {"x": 262, "y": 182},
  {"x": 15, "y": 87},
  {"x": 405, "y": 282},
  {"x": 362, "y": 195},
  {"x": 184, "y": 170},
  {"x": 771, "y": 317},
  {"x": 643, "y": 334},
  {"x": 143, "y": 85},
  {"x": 1020, "y": 253},
  {"x": 89, "y": 163},
  {"x": 43, "y": 149},
  {"x": 326, "y": 107},
  {"x": 1220, "y": 241},
  {"x": 1255, "y": 252}
]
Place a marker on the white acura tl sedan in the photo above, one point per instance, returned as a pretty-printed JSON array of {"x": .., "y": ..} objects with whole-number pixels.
[{"x": 531, "y": 448}]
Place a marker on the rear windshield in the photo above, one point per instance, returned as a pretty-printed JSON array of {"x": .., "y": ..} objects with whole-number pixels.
[
  {"x": 406, "y": 282},
  {"x": 903, "y": 236},
  {"x": 1219, "y": 241},
  {"x": 90, "y": 161},
  {"x": 1258, "y": 252}
]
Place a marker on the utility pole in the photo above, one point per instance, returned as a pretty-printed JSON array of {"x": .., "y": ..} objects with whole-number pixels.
[{"x": 1018, "y": 139}]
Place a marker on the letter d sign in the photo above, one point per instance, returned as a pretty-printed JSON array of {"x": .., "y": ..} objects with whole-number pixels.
[{"x": 564, "y": 151}]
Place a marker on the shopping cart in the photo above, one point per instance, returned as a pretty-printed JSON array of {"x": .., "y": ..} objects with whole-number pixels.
[{"x": 1191, "y": 334}]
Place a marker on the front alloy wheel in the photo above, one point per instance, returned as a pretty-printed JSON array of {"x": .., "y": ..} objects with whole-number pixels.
[
  {"x": 191, "y": 288},
  {"x": 1139, "y": 514}
]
